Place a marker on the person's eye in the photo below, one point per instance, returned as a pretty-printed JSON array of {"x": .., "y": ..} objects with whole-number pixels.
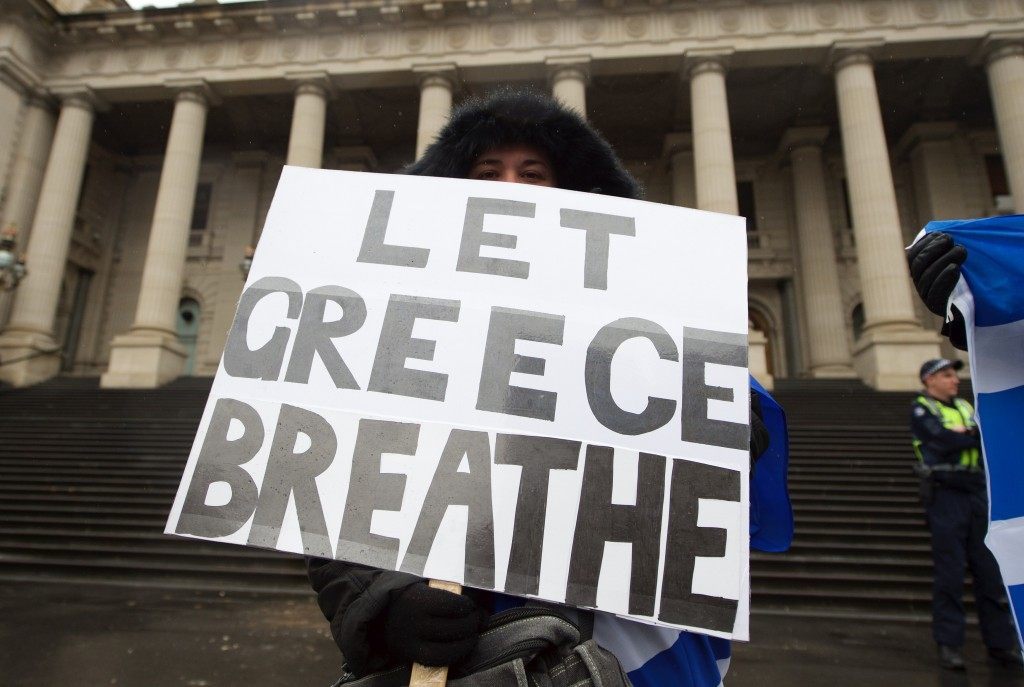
[{"x": 486, "y": 174}]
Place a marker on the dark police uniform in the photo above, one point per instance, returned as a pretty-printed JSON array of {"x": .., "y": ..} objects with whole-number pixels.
[{"x": 956, "y": 500}]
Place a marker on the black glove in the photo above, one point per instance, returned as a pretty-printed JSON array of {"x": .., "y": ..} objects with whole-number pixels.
[
  {"x": 431, "y": 626},
  {"x": 759, "y": 437},
  {"x": 935, "y": 268}
]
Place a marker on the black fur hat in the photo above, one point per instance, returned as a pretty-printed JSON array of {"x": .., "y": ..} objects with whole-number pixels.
[{"x": 582, "y": 159}]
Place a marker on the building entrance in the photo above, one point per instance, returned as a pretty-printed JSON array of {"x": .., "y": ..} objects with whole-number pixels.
[{"x": 80, "y": 280}]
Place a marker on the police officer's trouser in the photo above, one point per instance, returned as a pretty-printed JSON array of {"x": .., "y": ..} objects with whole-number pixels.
[{"x": 959, "y": 521}]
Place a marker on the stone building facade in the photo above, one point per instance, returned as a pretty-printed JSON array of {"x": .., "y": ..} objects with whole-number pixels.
[{"x": 139, "y": 149}]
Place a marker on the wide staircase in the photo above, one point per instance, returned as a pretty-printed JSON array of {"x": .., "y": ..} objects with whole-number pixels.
[
  {"x": 861, "y": 547},
  {"x": 87, "y": 477}
]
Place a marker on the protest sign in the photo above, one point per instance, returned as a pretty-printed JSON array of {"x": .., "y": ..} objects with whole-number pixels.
[{"x": 524, "y": 389}]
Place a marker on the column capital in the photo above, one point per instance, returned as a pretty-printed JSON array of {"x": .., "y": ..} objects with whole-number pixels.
[
  {"x": 40, "y": 99},
  {"x": 802, "y": 137},
  {"x": 195, "y": 90},
  {"x": 677, "y": 142},
  {"x": 997, "y": 45},
  {"x": 858, "y": 51},
  {"x": 570, "y": 66},
  {"x": 318, "y": 82},
  {"x": 701, "y": 60},
  {"x": 16, "y": 73},
  {"x": 436, "y": 74},
  {"x": 79, "y": 96}
]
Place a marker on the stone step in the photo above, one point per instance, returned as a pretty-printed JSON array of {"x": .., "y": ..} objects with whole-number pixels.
[
  {"x": 83, "y": 522},
  {"x": 43, "y": 478},
  {"x": 178, "y": 549},
  {"x": 92, "y": 565},
  {"x": 818, "y": 562},
  {"x": 100, "y": 491}
]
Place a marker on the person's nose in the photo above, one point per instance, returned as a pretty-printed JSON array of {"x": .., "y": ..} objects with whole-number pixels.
[{"x": 510, "y": 176}]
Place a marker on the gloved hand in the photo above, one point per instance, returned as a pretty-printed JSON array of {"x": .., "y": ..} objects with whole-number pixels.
[
  {"x": 431, "y": 626},
  {"x": 935, "y": 268}
]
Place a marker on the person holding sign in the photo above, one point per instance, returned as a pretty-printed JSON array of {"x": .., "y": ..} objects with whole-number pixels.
[{"x": 381, "y": 618}]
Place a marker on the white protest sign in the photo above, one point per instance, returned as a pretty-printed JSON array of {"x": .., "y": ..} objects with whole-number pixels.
[{"x": 524, "y": 389}]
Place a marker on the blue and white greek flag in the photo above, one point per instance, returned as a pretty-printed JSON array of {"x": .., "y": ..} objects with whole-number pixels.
[{"x": 990, "y": 295}]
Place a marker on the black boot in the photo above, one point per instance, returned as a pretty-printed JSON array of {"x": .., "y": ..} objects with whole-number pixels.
[
  {"x": 951, "y": 657},
  {"x": 1008, "y": 657}
]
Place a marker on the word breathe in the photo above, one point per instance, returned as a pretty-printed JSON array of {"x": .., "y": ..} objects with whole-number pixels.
[{"x": 292, "y": 476}]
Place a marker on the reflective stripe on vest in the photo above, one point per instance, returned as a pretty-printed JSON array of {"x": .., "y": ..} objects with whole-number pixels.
[{"x": 961, "y": 416}]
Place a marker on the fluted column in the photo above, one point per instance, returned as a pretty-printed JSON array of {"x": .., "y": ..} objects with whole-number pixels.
[
  {"x": 149, "y": 354},
  {"x": 936, "y": 174},
  {"x": 309, "y": 115},
  {"x": 1005, "y": 66},
  {"x": 757, "y": 356},
  {"x": 828, "y": 346},
  {"x": 712, "y": 140},
  {"x": 568, "y": 79},
  {"x": 678, "y": 150},
  {"x": 437, "y": 84},
  {"x": 893, "y": 344},
  {"x": 876, "y": 224},
  {"x": 34, "y": 140},
  {"x": 29, "y": 335}
]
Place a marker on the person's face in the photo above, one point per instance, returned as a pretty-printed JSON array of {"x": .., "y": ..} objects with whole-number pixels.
[
  {"x": 943, "y": 384},
  {"x": 517, "y": 164}
]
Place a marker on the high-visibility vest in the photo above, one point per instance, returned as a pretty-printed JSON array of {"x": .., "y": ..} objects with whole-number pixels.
[{"x": 961, "y": 415}]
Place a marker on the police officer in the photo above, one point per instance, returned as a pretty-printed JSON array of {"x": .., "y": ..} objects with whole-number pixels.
[{"x": 948, "y": 450}]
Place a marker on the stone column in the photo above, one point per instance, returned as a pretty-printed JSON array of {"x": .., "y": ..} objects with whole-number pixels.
[
  {"x": 1005, "y": 67},
  {"x": 29, "y": 165},
  {"x": 568, "y": 78},
  {"x": 712, "y": 140},
  {"x": 678, "y": 150},
  {"x": 241, "y": 222},
  {"x": 29, "y": 336},
  {"x": 828, "y": 345},
  {"x": 26, "y": 176},
  {"x": 893, "y": 345},
  {"x": 149, "y": 354},
  {"x": 757, "y": 356},
  {"x": 437, "y": 84},
  {"x": 937, "y": 186},
  {"x": 306, "y": 141},
  {"x": 938, "y": 194}
]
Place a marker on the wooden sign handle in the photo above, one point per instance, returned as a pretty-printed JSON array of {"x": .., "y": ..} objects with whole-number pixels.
[{"x": 430, "y": 676}]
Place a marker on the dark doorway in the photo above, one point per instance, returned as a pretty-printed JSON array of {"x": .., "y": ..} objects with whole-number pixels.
[{"x": 73, "y": 331}]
